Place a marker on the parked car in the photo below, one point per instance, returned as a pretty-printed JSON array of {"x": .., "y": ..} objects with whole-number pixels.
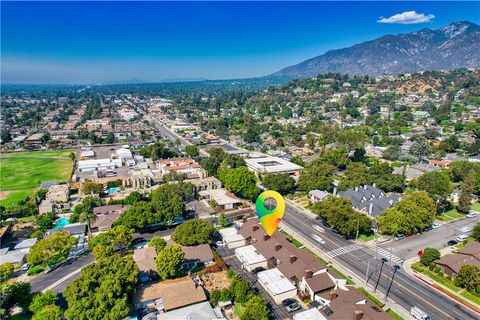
[
  {"x": 399, "y": 237},
  {"x": 335, "y": 230},
  {"x": 462, "y": 238},
  {"x": 466, "y": 229},
  {"x": 291, "y": 305},
  {"x": 25, "y": 267},
  {"x": 471, "y": 214},
  {"x": 436, "y": 225},
  {"x": 257, "y": 270},
  {"x": 452, "y": 242},
  {"x": 318, "y": 238},
  {"x": 318, "y": 228}
]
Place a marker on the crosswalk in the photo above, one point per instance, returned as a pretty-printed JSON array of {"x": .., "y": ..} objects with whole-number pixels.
[
  {"x": 343, "y": 250},
  {"x": 386, "y": 254}
]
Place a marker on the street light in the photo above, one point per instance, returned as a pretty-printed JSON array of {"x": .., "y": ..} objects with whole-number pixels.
[
  {"x": 383, "y": 260},
  {"x": 395, "y": 269}
]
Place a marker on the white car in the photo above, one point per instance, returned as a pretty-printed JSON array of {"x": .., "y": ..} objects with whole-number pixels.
[
  {"x": 318, "y": 238},
  {"x": 318, "y": 228},
  {"x": 471, "y": 214},
  {"x": 466, "y": 229},
  {"x": 436, "y": 225},
  {"x": 462, "y": 237}
]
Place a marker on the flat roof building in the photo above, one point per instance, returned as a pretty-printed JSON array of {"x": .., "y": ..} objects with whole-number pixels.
[
  {"x": 268, "y": 164},
  {"x": 277, "y": 286}
]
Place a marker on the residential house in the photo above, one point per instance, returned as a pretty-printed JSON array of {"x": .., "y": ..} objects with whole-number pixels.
[
  {"x": 250, "y": 258},
  {"x": 312, "y": 285},
  {"x": 277, "y": 286},
  {"x": 58, "y": 193},
  {"x": 25, "y": 245},
  {"x": 107, "y": 215},
  {"x": 369, "y": 199},
  {"x": 469, "y": 254},
  {"x": 200, "y": 311},
  {"x": 195, "y": 255},
  {"x": 231, "y": 238},
  {"x": 46, "y": 206},
  {"x": 349, "y": 304},
  {"x": 180, "y": 165},
  {"x": 317, "y": 195},
  {"x": 168, "y": 295},
  {"x": 223, "y": 198}
]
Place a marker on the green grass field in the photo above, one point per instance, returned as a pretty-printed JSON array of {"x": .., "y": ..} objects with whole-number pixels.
[{"x": 22, "y": 173}]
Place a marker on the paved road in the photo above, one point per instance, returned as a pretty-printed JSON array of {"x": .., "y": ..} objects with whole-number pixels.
[
  {"x": 436, "y": 238},
  {"x": 60, "y": 278},
  {"x": 405, "y": 290},
  {"x": 232, "y": 261}
]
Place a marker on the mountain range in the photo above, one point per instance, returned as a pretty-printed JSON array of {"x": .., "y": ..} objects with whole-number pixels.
[{"x": 453, "y": 46}]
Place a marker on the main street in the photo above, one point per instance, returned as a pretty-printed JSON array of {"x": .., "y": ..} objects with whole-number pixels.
[{"x": 405, "y": 290}]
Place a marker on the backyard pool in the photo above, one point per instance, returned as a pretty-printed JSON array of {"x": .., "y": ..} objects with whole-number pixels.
[{"x": 60, "y": 223}]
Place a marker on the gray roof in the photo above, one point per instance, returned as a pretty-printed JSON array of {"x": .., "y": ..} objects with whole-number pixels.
[{"x": 370, "y": 199}]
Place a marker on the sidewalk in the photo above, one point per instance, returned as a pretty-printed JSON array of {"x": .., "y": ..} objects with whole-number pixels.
[{"x": 440, "y": 287}]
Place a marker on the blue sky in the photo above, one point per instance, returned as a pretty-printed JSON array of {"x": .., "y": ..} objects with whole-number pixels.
[{"x": 89, "y": 42}]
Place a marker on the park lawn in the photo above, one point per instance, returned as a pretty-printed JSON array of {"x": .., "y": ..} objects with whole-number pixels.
[
  {"x": 452, "y": 215},
  {"x": 22, "y": 173},
  {"x": 476, "y": 206}
]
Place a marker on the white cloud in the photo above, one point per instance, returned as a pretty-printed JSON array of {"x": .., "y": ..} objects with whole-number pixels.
[{"x": 407, "y": 17}]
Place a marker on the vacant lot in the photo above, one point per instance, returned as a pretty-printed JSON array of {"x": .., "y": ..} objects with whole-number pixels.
[{"x": 22, "y": 173}]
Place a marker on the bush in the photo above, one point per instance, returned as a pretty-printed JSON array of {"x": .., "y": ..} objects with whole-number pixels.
[
  {"x": 437, "y": 269},
  {"x": 431, "y": 266},
  {"x": 214, "y": 297},
  {"x": 449, "y": 278},
  {"x": 477, "y": 289},
  {"x": 429, "y": 255},
  {"x": 440, "y": 273},
  {"x": 36, "y": 269},
  {"x": 417, "y": 267}
]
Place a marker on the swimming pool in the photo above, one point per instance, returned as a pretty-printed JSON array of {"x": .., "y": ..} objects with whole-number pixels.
[
  {"x": 60, "y": 223},
  {"x": 113, "y": 190}
]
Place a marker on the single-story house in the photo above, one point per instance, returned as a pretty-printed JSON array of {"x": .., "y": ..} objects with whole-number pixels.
[
  {"x": 223, "y": 198},
  {"x": 313, "y": 284},
  {"x": 277, "y": 286},
  {"x": 317, "y": 195},
  {"x": 15, "y": 257},
  {"x": 309, "y": 314},
  {"x": 250, "y": 258},
  {"x": 231, "y": 238},
  {"x": 145, "y": 260},
  {"x": 200, "y": 311},
  {"x": 25, "y": 245},
  {"x": 197, "y": 254},
  {"x": 469, "y": 254},
  {"x": 168, "y": 295}
]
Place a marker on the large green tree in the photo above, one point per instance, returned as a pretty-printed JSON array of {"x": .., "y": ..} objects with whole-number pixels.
[
  {"x": 255, "y": 309},
  {"x": 413, "y": 213},
  {"x": 193, "y": 232},
  {"x": 240, "y": 181},
  {"x": 465, "y": 199},
  {"x": 106, "y": 243},
  {"x": 436, "y": 184},
  {"x": 340, "y": 214},
  {"x": 169, "y": 261},
  {"x": 317, "y": 176},
  {"x": 468, "y": 277},
  {"x": 41, "y": 300},
  {"x": 282, "y": 183},
  {"x": 52, "y": 249},
  {"x": 103, "y": 290}
]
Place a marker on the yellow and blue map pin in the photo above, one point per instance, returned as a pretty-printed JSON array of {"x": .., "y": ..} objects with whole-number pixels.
[{"x": 270, "y": 207}]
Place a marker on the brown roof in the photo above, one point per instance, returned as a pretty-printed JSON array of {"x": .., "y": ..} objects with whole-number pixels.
[
  {"x": 175, "y": 293},
  {"x": 201, "y": 252},
  {"x": 145, "y": 258},
  {"x": 320, "y": 282},
  {"x": 114, "y": 208},
  {"x": 290, "y": 260},
  {"x": 345, "y": 304},
  {"x": 105, "y": 221},
  {"x": 472, "y": 248},
  {"x": 455, "y": 261}
]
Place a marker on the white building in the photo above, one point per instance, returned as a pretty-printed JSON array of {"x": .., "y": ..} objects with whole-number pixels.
[
  {"x": 232, "y": 238},
  {"x": 250, "y": 258},
  {"x": 310, "y": 314},
  {"x": 99, "y": 164},
  {"x": 222, "y": 197},
  {"x": 268, "y": 164},
  {"x": 277, "y": 286}
]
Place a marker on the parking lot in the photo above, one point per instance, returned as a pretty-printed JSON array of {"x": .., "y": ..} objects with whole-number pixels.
[{"x": 232, "y": 262}]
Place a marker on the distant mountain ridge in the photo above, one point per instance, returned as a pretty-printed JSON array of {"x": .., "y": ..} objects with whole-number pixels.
[{"x": 456, "y": 45}]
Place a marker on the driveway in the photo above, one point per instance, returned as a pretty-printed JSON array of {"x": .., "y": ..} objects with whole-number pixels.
[
  {"x": 232, "y": 262},
  {"x": 437, "y": 238}
]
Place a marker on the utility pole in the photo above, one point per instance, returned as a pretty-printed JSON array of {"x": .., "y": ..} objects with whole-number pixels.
[
  {"x": 395, "y": 269},
  {"x": 383, "y": 260}
]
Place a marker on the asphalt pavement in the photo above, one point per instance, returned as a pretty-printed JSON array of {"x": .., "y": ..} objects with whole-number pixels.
[
  {"x": 437, "y": 238},
  {"x": 60, "y": 278},
  {"x": 404, "y": 289}
]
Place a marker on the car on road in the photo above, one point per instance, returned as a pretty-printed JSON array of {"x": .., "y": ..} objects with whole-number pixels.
[
  {"x": 291, "y": 305},
  {"x": 257, "y": 270},
  {"x": 452, "y": 242},
  {"x": 462, "y": 238},
  {"x": 399, "y": 237},
  {"x": 436, "y": 225},
  {"x": 25, "y": 267},
  {"x": 419, "y": 314},
  {"x": 335, "y": 230},
  {"x": 318, "y": 238},
  {"x": 471, "y": 214},
  {"x": 318, "y": 228}
]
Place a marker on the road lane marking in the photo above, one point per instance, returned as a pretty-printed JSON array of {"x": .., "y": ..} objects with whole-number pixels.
[
  {"x": 342, "y": 250},
  {"x": 56, "y": 283}
]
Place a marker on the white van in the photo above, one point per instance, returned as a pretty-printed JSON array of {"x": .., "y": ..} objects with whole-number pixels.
[
  {"x": 462, "y": 237},
  {"x": 419, "y": 314}
]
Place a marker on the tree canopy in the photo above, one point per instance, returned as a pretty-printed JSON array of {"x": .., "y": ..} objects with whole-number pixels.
[
  {"x": 103, "y": 290},
  {"x": 240, "y": 181},
  {"x": 169, "y": 261},
  {"x": 436, "y": 184},
  {"x": 282, "y": 183},
  {"x": 51, "y": 250},
  {"x": 193, "y": 232}
]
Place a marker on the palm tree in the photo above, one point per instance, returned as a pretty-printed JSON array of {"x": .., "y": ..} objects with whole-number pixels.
[{"x": 89, "y": 217}]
